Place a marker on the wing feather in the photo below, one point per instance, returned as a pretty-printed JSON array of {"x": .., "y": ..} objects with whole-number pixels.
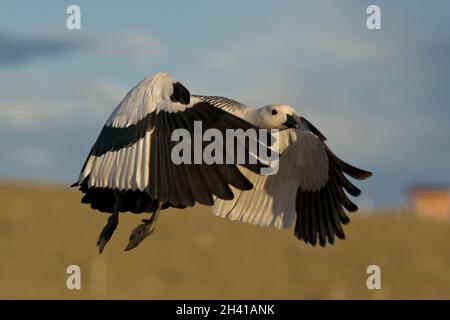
[
  {"x": 133, "y": 151},
  {"x": 308, "y": 189}
]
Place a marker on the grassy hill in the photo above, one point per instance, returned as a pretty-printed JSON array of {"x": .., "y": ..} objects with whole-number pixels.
[{"x": 44, "y": 229}]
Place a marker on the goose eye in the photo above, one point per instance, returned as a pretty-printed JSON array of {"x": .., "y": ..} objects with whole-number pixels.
[{"x": 274, "y": 112}]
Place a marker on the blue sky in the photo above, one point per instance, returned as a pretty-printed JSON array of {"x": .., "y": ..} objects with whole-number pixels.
[{"x": 381, "y": 97}]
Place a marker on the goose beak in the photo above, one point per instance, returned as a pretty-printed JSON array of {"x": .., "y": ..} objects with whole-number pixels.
[{"x": 291, "y": 122}]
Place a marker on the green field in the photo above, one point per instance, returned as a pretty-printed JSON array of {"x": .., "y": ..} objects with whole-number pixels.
[{"x": 193, "y": 254}]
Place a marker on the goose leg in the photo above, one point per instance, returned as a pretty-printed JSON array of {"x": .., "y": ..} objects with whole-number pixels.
[
  {"x": 143, "y": 230},
  {"x": 109, "y": 228}
]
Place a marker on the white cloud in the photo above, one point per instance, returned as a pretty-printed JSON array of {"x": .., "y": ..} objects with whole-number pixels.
[
  {"x": 134, "y": 46},
  {"x": 283, "y": 47},
  {"x": 34, "y": 157},
  {"x": 26, "y": 114},
  {"x": 47, "y": 104},
  {"x": 96, "y": 98}
]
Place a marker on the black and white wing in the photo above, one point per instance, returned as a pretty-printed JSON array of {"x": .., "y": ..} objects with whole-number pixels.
[
  {"x": 308, "y": 189},
  {"x": 133, "y": 152}
]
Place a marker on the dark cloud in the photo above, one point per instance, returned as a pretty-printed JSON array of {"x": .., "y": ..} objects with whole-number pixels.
[{"x": 16, "y": 49}]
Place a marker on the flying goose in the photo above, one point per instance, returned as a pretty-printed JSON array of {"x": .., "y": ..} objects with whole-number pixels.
[{"x": 129, "y": 167}]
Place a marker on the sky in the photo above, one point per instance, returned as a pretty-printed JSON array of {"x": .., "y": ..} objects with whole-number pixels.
[{"x": 381, "y": 97}]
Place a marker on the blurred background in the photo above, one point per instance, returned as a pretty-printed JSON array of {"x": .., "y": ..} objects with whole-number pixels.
[{"x": 380, "y": 96}]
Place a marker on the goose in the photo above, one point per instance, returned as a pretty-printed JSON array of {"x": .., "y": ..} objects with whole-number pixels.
[{"x": 129, "y": 168}]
